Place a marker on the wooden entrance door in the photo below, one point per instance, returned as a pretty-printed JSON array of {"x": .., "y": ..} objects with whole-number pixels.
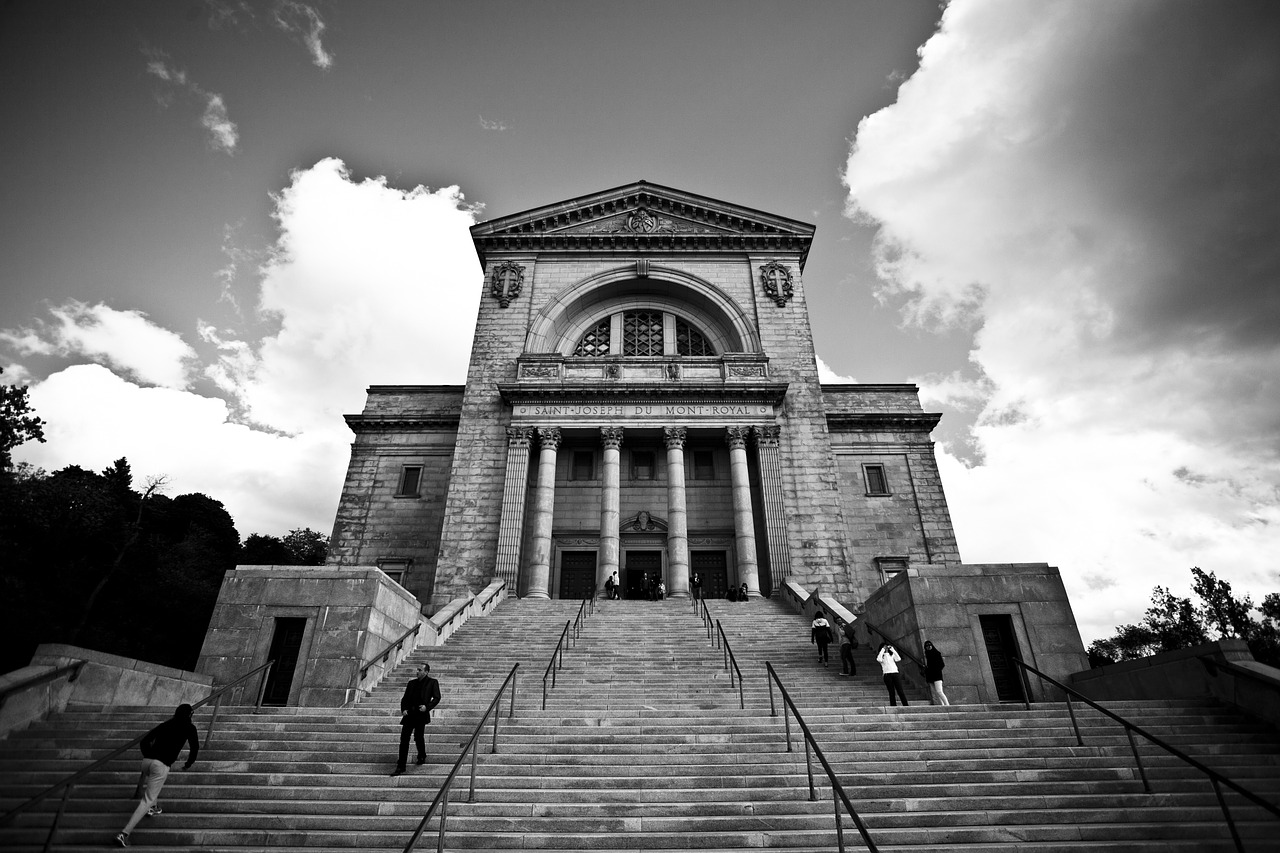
[
  {"x": 712, "y": 566},
  {"x": 1002, "y": 644},
  {"x": 577, "y": 574}
]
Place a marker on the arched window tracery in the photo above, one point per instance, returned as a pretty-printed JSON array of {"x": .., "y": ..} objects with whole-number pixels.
[{"x": 645, "y": 332}]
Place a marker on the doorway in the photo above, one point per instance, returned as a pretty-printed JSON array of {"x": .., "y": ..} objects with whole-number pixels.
[
  {"x": 577, "y": 574},
  {"x": 286, "y": 643},
  {"x": 1002, "y": 646},
  {"x": 642, "y": 572},
  {"x": 713, "y": 568}
]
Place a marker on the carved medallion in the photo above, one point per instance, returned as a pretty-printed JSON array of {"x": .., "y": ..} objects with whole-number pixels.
[
  {"x": 775, "y": 278},
  {"x": 506, "y": 282}
]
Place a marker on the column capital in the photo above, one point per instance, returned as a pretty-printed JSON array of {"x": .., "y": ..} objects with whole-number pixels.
[
  {"x": 767, "y": 435},
  {"x": 549, "y": 437},
  {"x": 736, "y": 436},
  {"x": 519, "y": 436},
  {"x": 611, "y": 437},
  {"x": 674, "y": 437}
]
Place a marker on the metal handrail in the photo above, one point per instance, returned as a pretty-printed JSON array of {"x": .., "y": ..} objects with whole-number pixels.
[
  {"x": 811, "y": 747},
  {"x": 706, "y": 618},
  {"x": 442, "y": 797},
  {"x": 73, "y": 668},
  {"x": 1130, "y": 729},
  {"x": 557, "y": 654},
  {"x": 69, "y": 782},
  {"x": 394, "y": 645},
  {"x": 730, "y": 660},
  {"x": 586, "y": 609}
]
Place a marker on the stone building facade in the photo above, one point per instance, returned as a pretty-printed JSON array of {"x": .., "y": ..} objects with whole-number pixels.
[{"x": 643, "y": 399}]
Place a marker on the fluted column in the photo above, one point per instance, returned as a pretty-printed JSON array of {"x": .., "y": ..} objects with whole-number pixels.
[
  {"x": 544, "y": 499},
  {"x": 610, "y": 503},
  {"x": 775, "y": 512},
  {"x": 507, "y": 567},
  {"x": 677, "y": 515},
  {"x": 743, "y": 526}
]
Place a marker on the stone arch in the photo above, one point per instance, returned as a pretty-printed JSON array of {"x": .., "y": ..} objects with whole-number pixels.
[{"x": 561, "y": 322}]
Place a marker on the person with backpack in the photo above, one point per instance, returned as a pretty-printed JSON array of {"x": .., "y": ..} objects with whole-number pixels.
[
  {"x": 847, "y": 666},
  {"x": 820, "y": 633}
]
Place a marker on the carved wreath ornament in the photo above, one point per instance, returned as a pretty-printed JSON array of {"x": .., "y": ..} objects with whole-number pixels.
[
  {"x": 506, "y": 282},
  {"x": 776, "y": 281}
]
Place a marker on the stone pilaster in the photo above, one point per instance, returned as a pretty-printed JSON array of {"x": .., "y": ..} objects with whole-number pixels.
[
  {"x": 610, "y": 503},
  {"x": 544, "y": 500},
  {"x": 775, "y": 511},
  {"x": 743, "y": 524},
  {"x": 677, "y": 515},
  {"x": 507, "y": 567}
]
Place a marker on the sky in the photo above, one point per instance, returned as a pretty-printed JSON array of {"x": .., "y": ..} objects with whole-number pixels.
[{"x": 223, "y": 220}]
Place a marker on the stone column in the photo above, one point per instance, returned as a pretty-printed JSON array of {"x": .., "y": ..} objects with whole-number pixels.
[
  {"x": 743, "y": 526},
  {"x": 677, "y": 515},
  {"x": 507, "y": 566},
  {"x": 544, "y": 500},
  {"x": 775, "y": 512},
  {"x": 610, "y": 503}
]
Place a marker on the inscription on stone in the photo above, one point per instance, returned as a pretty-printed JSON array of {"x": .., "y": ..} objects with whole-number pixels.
[{"x": 612, "y": 411}]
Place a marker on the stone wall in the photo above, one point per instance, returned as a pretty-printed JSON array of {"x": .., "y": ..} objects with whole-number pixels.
[
  {"x": 104, "y": 679},
  {"x": 352, "y": 614}
]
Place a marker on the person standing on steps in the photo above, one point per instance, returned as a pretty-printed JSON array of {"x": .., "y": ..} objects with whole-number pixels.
[
  {"x": 610, "y": 587},
  {"x": 933, "y": 665},
  {"x": 420, "y": 696},
  {"x": 160, "y": 748},
  {"x": 820, "y": 633},
  {"x": 847, "y": 666},
  {"x": 695, "y": 584},
  {"x": 888, "y": 658}
]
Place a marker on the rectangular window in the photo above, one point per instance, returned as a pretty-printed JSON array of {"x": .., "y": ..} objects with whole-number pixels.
[
  {"x": 394, "y": 568},
  {"x": 876, "y": 482},
  {"x": 583, "y": 466},
  {"x": 704, "y": 467},
  {"x": 410, "y": 480},
  {"x": 891, "y": 567},
  {"x": 642, "y": 465}
]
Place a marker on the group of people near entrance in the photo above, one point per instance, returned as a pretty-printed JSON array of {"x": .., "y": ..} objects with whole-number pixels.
[
  {"x": 655, "y": 589},
  {"x": 821, "y": 635}
]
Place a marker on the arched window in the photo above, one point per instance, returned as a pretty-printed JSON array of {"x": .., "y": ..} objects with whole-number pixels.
[{"x": 643, "y": 333}]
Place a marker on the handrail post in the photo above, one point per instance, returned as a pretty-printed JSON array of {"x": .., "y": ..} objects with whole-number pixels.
[
  {"x": 444, "y": 814},
  {"x": 475, "y": 758},
  {"x": 808, "y": 766},
  {"x": 496, "y": 717},
  {"x": 1231, "y": 824},
  {"x": 57, "y": 817},
  {"x": 835, "y": 801},
  {"x": 1075, "y": 725},
  {"x": 511, "y": 709},
  {"x": 1142, "y": 771},
  {"x": 262, "y": 684},
  {"x": 213, "y": 718}
]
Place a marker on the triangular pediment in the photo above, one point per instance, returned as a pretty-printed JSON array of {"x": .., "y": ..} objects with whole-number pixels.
[{"x": 638, "y": 216}]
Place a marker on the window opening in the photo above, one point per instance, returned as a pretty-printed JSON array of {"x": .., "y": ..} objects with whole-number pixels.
[
  {"x": 595, "y": 342},
  {"x": 877, "y": 484},
  {"x": 704, "y": 467},
  {"x": 642, "y": 465},
  {"x": 410, "y": 481},
  {"x": 690, "y": 341},
  {"x": 583, "y": 465},
  {"x": 642, "y": 333}
]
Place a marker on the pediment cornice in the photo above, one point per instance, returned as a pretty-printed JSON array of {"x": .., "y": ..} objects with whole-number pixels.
[{"x": 639, "y": 217}]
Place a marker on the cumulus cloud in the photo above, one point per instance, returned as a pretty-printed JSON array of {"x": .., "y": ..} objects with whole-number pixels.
[
  {"x": 223, "y": 134},
  {"x": 302, "y": 21},
  {"x": 1097, "y": 185},
  {"x": 126, "y": 341},
  {"x": 827, "y": 375},
  {"x": 366, "y": 284},
  {"x": 493, "y": 125}
]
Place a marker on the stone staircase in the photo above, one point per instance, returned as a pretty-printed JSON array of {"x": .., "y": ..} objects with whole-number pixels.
[{"x": 643, "y": 746}]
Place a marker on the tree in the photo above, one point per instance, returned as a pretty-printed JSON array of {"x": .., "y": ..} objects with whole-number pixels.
[
  {"x": 308, "y": 547},
  {"x": 264, "y": 550},
  {"x": 17, "y": 424},
  {"x": 1172, "y": 623}
]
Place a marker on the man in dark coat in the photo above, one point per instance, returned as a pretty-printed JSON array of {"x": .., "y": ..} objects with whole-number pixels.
[
  {"x": 420, "y": 696},
  {"x": 160, "y": 748}
]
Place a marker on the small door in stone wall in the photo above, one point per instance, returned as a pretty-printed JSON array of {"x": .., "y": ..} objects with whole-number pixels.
[
  {"x": 712, "y": 566},
  {"x": 1002, "y": 645},
  {"x": 286, "y": 642},
  {"x": 643, "y": 570}
]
